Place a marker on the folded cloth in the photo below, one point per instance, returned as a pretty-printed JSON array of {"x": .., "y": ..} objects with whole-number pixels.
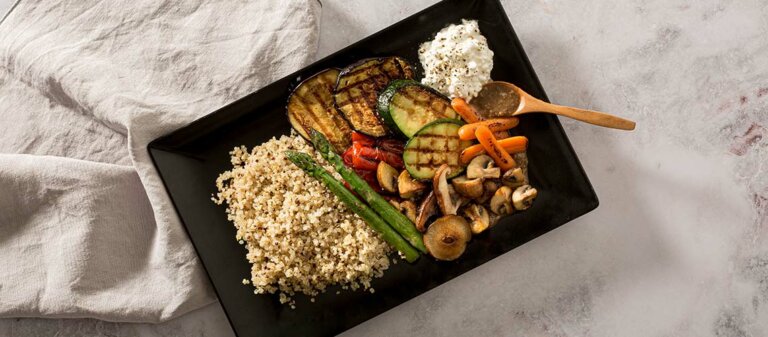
[{"x": 86, "y": 227}]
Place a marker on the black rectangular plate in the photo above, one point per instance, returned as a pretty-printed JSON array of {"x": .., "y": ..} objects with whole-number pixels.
[{"x": 190, "y": 159}]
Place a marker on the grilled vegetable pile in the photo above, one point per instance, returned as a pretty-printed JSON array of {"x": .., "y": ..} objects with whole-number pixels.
[
  {"x": 358, "y": 87},
  {"x": 425, "y": 171}
]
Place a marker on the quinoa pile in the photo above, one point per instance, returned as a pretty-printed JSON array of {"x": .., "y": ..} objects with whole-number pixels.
[{"x": 300, "y": 237}]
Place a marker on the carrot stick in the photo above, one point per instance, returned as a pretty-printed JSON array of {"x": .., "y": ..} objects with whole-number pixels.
[
  {"x": 467, "y": 131},
  {"x": 510, "y": 145},
  {"x": 465, "y": 111},
  {"x": 503, "y": 160}
]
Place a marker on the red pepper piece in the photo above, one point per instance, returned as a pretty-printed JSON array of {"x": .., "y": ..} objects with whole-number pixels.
[
  {"x": 369, "y": 152},
  {"x": 391, "y": 145},
  {"x": 393, "y": 159},
  {"x": 359, "y": 138},
  {"x": 363, "y": 163},
  {"x": 348, "y": 155}
]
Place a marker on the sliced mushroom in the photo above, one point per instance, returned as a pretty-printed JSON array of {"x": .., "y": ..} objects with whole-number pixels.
[
  {"x": 523, "y": 197},
  {"x": 514, "y": 178},
  {"x": 479, "y": 218},
  {"x": 408, "y": 187},
  {"x": 408, "y": 207},
  {"x": 489, "y": 188},
  {"x": 447, "y": 237},
  {"x": 447, "y": 198},
  {"x": 501, "y": 203},
  {"x": 469, "y": 188},
  {"x": 427, "y": 209},
  {"x": 482, "y": 167},
  {"x": 387, "y": 177}
]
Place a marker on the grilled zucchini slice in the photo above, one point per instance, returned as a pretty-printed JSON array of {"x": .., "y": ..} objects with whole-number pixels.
[
  {"x": 437, "y": 143},
  {"x": 311, "y": 106},
  {"x": 406, "y": 106},
  {"x": 358, "y": 88}
]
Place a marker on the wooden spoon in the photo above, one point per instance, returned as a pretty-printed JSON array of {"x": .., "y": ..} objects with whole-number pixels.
[{"x": 503, "y": 99}]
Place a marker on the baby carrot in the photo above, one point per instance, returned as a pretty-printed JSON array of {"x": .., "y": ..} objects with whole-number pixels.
[
  {"x": 465, "y": 111},
  {"x": 503, "y": 160},
  {"x": 467, "y": 131},
  {"x": 510, "y": 145}
]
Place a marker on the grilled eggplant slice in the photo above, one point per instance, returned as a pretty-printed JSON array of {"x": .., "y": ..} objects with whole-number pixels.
[
  {"x": 406, "y": 106},
  {"x": 437, "y": 143},
  {"x": 358, "y": 88},
  {"x": 311, "y": 106}
]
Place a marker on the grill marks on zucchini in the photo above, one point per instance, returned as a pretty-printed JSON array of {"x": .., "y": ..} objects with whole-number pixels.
[
  {"x": 407, "y": 106},
  {"x": 437, "y": 143},
  {"x": 311, "y": 106},
  {"x": 358, "y": 87}
]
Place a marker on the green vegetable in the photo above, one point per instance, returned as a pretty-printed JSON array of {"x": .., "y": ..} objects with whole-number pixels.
[
  {"x": 306, "y": 163},
  {"x": 397, "y": 220},
  {"x": 437, "y": 143},
  {"x": 406, "y": 106},
  {"x": 359, "y": 85}
]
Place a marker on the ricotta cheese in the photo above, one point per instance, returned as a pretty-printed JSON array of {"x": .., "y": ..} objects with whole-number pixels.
[{"x": 458, "y": 61}]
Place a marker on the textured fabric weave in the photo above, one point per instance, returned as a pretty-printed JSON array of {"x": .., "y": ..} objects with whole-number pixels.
[{"x": 86, "y": 227}]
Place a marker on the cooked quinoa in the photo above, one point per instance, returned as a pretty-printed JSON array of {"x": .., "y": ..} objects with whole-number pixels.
[{"x": 300, "y": 237}]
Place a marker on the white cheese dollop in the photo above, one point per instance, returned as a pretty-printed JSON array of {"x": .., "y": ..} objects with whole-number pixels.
[{"x": 458, "y": 61}]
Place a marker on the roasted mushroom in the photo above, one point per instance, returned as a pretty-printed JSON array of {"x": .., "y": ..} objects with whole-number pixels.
[
  {"x": 523, "y": 197},
  {"x": 489, "y": 188},
  {"x": 408, "y": 207},
  {"x": 408, "y": 187},
  {"x": 427, "y": 209},
  {"x": 447, "y": 198},
  {"x": 479, "y": 218},
  {"x": 482, "y": 167},
  {"x": 501, "y": 203},
  {"x": 469, "y": 188},
  {"x": 387, "y": 177},
  {"x": 514, "y": 178},
  {"x": 447, "y": 237}
]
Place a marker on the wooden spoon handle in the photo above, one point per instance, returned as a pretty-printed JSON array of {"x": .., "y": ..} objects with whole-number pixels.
[{"x": 591, "y": 117}]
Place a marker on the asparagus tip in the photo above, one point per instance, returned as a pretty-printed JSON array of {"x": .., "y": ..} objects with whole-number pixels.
[
  {"x": 321, "y": 143},
  {"x": 302, "y": 160}
]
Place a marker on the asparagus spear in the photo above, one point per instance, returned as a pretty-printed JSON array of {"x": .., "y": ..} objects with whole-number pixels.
[
  {"x": 306, "y": 163},
  {"x": 397, "y": 220}
]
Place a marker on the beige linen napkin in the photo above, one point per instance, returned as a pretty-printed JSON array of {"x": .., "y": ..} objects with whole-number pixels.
[{"x": 86, "y": 227}]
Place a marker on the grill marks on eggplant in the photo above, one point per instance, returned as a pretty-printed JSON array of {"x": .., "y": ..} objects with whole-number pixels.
[
  {"x": 358, "y": 87},
  {"x": 437, "y": 143},
  {"x": 311, "y": 106}
]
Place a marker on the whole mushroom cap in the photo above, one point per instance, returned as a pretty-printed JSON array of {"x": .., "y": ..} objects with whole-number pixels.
[{"x": 446, "y": 238}]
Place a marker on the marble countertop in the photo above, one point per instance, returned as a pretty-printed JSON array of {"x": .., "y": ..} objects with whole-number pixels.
[{"x": 679, "y": 244}]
